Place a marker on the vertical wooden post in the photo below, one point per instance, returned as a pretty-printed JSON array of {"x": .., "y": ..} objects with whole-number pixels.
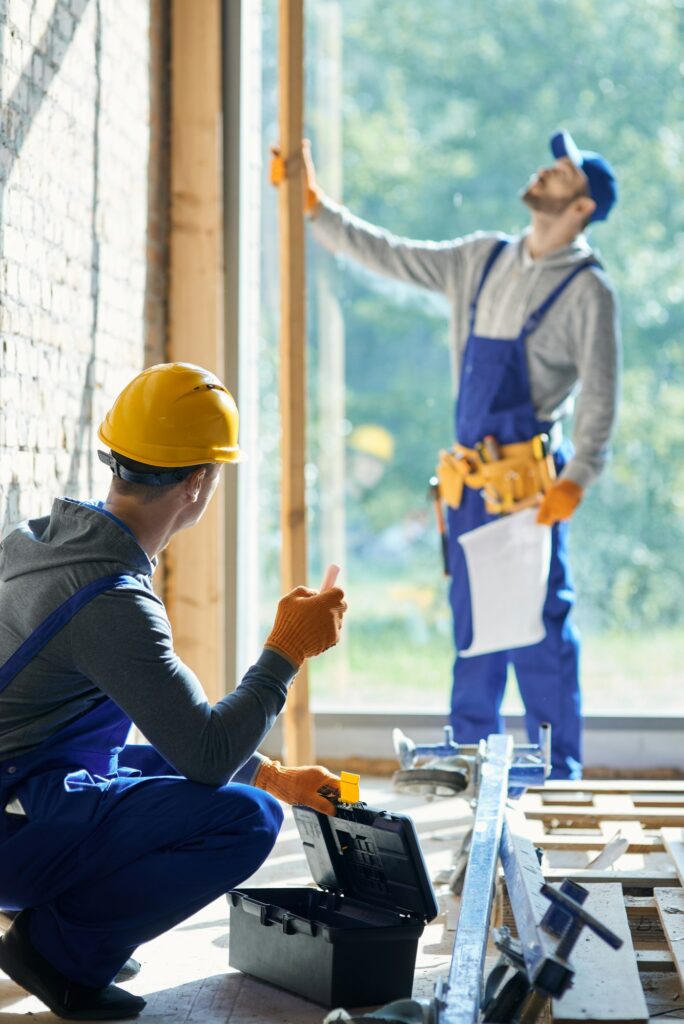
[
  {"x": 327, "y": 125},
  {"x": 195, "y": 563},
  {"x": 298, "y": 730}
]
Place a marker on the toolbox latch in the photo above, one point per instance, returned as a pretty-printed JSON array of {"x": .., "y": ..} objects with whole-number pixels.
[{"x": 292, "y": 924}]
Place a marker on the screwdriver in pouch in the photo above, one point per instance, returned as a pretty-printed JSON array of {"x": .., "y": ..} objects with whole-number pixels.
[
  {"x": 491, "y": 446},
  {"x": 433, "y": 493}
]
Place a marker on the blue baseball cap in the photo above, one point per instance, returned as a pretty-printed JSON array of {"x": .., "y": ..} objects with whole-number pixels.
[{"x": 600, "y": 175}]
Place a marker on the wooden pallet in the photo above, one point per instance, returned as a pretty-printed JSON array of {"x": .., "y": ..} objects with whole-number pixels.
[{"x": 640, "y": 896}]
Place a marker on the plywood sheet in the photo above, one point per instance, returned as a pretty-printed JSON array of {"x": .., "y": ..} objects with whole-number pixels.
[{"x": 606, "y": 985}]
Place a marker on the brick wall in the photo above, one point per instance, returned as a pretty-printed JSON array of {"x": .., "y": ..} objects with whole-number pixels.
[{"x": 82, "y": 233}]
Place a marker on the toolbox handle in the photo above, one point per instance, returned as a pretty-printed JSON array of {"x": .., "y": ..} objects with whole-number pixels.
[
  {"x": 260, "y": 910},
  {"x": 294, "y": 925}
]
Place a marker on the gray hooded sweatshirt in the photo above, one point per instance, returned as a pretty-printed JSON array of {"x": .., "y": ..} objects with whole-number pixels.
[
  {"x": 119, "y": 646},
  {"x": 574, "y": 350}
]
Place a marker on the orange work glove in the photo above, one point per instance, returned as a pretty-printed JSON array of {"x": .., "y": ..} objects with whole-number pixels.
[
  {"x": 307, "y": 623},
  {"x": 560, "y": 502},
  {"x": 312, "y": 785},
  {"x": 312, "y": 191}
]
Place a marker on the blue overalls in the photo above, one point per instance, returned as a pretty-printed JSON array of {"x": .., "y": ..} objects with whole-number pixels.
[
  {"x": 115, "y": 847},
  {"x": 494, "y": 398}
]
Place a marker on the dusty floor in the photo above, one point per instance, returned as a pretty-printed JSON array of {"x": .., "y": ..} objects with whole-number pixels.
[{"x": 185, "y": 974}]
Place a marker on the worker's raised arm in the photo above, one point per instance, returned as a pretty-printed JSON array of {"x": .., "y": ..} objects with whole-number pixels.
[
  {"x": 427, "y": 264},
  {"x": 164, "y": 697}
]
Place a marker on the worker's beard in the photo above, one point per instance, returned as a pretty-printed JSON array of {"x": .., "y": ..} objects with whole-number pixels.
[{"x": 547, "y": 204}]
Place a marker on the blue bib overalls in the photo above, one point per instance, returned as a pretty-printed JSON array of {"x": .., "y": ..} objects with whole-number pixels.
[
  {"x": 115, "y": 847},
  {"x": 494, "y": 398}
]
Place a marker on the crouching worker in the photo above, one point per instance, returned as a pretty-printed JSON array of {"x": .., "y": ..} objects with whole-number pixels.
[{"x": 103, "y": 846}]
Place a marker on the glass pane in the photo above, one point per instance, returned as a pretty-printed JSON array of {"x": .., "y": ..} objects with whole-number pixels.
[{"x": 429, "y": 126}]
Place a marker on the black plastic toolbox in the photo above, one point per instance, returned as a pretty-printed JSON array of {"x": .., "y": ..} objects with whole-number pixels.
[{"x": 353, "y": 941}]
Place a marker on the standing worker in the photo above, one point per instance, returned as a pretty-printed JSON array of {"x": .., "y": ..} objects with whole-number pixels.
[
  {"x": 533, "y": 317},
  {"x": 103, "y": 846}
]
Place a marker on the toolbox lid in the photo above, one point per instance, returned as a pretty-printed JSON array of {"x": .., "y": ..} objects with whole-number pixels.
[{"x": 368, "y": 855}]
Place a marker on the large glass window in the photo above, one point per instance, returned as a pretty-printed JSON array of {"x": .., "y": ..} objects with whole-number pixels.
[{"x": 428, "y": 121}]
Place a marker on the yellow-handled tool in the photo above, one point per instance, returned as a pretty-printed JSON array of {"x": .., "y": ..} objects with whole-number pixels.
[{"x": 349, "y": 788}]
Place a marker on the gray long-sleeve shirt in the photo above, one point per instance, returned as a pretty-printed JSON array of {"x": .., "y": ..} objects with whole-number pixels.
[
  {"x": 574, "y": 352},
  {"x": 119, "y": 646}
]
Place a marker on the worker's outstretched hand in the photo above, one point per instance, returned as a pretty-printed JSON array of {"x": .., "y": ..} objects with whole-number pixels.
[
  {"x": 312, "y": 785},
  {"x": 312, "y": 190},
  {"x": 560, "y": 502},
  {"x": 307, "y": 623}
]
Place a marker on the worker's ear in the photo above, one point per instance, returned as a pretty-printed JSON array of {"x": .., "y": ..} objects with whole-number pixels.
[
  {"x": 584, "y": 207},
  {"x": 192, "y": 485}
]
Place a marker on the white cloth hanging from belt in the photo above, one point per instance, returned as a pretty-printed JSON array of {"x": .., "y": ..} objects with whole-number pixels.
[{"x": 508, "y": 571}]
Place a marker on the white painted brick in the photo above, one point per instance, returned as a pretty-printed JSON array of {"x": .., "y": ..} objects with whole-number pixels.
[{"x": 46, "y": 305}]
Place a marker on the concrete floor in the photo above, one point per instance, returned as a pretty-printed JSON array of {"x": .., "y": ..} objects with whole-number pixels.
[{"x": 185, "y": 974}]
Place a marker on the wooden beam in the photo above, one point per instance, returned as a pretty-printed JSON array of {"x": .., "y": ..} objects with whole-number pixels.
[
  {"x": 642, "y": 916},
  {"x": 670, "y": 903},
  {"x": 674, "y": 844},
  {"x": 195, "y": 562},
  {"x": 326, "y": 117},
  {"x": 580, "y": 842},
  {"x": 611, "y": 786},
  {"x": 650, "y": 960},
  {"x": 578, "y": 817},
  {"x": 298, "y": 730},
  {"x": 642, "y": 878}
]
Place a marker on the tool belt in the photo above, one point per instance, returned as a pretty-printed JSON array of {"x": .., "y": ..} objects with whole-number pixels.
[{"x": 517, "y": 479}]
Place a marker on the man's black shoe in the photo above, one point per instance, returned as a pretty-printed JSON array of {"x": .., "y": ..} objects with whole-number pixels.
[
  {"x": 64, "y": 997},
  {"x": 128, "y": 971}
]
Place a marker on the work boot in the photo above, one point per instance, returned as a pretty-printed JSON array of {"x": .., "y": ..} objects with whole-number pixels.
[
  {"x": 128, "y": 971},
  {"x": 64, "y": 997}
]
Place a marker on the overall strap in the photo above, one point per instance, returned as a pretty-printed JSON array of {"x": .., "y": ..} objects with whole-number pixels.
[
  {"x": 55, "y": 621},
  {"x": 491, "y": 259},
  {"x": 534, "y": 319}
]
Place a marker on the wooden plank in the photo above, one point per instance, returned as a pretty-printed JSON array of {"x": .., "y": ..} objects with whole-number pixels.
[
  {"x": 298, "y": 731},
  {"x": 643, "y": 879},
  {"x": 195, "y": 591},
  {"x": 553, "y": 841},
  {"x": 642, "y": 915},
  {"x": 620, "y": 834},
  {"x": 613, "y": 803},
  {"x": 580, "y": 798},
  {"x": 606, "y": 985},
  {"x": 658, "y": 799},
  {"x": 670, "y": 903},
  {"x": 655, "y": 960},
  {"x": 633, "y": 831},
  {"x": 672, "y": 837},
  {"x": 567, "y": 814},
  {"x": 643, "y": 905},
  {"x": 612, "y": 786},
  {"x": 325, "y": 25}
]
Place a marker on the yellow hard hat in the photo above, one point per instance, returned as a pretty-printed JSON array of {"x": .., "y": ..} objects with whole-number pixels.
[
  {"x": 372, "y": 439},
  {"x": 173, "y": 414}
]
